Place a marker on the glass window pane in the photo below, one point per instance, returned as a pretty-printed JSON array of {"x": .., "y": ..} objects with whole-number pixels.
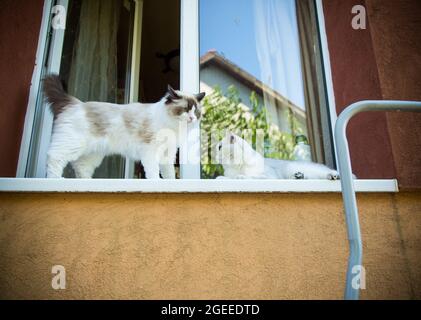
[{"x": 259, "y": 67}]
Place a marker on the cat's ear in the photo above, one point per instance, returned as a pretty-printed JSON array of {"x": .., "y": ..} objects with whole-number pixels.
[
  {"x": 232, "y": 139},
  {"x": 173, "y": 94},
  {"x": 200, "y": 96}
]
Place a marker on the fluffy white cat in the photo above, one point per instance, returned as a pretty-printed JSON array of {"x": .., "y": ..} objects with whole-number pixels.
[
  {"x": 241, "y": 161},
  {"x": 85, "y": 132}
]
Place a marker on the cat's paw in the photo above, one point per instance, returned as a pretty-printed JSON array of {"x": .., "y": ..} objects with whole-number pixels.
[
  {"x": 333, "y": 176},
  {"x": 298, "y": 176}
]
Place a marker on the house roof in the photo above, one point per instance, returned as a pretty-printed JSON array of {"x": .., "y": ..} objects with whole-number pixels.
[{"x": 215, "y": 59}]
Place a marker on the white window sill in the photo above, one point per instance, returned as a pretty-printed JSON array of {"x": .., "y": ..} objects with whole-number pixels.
[{"x": 190, "y": 186}]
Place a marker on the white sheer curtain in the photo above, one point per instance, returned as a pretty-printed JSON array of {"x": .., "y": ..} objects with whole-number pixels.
[
  {"x": 278, "y": 52},
  {"x": 93, "y": 74}
]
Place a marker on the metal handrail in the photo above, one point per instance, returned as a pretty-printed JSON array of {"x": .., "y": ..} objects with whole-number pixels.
[{"x": 347, "y": 182}]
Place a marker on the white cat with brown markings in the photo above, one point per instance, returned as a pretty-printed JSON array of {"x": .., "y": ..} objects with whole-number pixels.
[
  {"x": 85, "y": 132},
  {"x": 241, "y": 161}
]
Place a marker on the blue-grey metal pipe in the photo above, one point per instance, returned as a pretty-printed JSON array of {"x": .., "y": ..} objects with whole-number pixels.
[{"x": 347, "y": 182}]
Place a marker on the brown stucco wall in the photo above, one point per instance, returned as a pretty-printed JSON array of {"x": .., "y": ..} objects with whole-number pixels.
[
  {"x": 355, "y": 78},
  {"x": 395, "y": 30},
  {"x": 205, "y": 246},
  {"x": 20, "y": 22},
  {"x": 227, "y": 246},
  {"x": 381, "y": 62}
]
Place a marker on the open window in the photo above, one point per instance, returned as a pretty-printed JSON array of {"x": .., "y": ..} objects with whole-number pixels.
[
  {"x": 261, "y": 60},
  {"x": 118, "y": 51}
]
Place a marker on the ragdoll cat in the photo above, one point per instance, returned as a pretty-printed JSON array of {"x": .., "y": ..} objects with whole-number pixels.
[
  {"x": 241, "y": 161},
  {"x": 85, "y": 132}
]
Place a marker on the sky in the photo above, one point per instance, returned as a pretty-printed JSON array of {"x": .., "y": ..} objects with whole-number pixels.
[
  {"x": 227, "y": 26},
  {"x": 234, "y": 28}
]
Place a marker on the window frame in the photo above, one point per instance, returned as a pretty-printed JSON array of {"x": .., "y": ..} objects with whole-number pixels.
[
  {"x": 34, "y": 90},
  {"x": 189, "y": 81},
  {"x": 189, "y": 186},
  {"x": 50, "y": 47},
  {"x": 53, "y": 53},
  {"x": 330, "y": 93},
  {"x": 190, "y": 173}
]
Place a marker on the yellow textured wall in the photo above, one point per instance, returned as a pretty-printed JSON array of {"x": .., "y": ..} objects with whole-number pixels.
[{"x": 198, "y": 246}]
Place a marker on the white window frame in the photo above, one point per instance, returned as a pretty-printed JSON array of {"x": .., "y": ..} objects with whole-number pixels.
[
  {"x": 33, "y": 92},
  {"x": 190, "y": 173},
  {"x": 129, "y": 165},
  {"x": 53, "y": 66},
  {"x": 189, "y": 81}
]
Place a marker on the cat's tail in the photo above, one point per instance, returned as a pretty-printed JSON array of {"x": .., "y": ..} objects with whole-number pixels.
[{"x": 55, "y": 94}]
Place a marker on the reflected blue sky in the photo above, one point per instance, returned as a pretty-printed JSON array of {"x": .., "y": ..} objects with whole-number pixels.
[
  {"x": 228, "y": 27},
  {"x": 260, "y": 36}
]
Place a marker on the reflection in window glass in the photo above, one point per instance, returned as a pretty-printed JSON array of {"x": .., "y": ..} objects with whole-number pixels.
[{"x": 260, "y": 68}]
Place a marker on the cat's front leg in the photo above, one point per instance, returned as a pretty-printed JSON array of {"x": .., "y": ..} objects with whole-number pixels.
[
  {"x": 298, "y": 176},
  {"x": 167, "y": 171},
  {"x": 334, "y": 175}
]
